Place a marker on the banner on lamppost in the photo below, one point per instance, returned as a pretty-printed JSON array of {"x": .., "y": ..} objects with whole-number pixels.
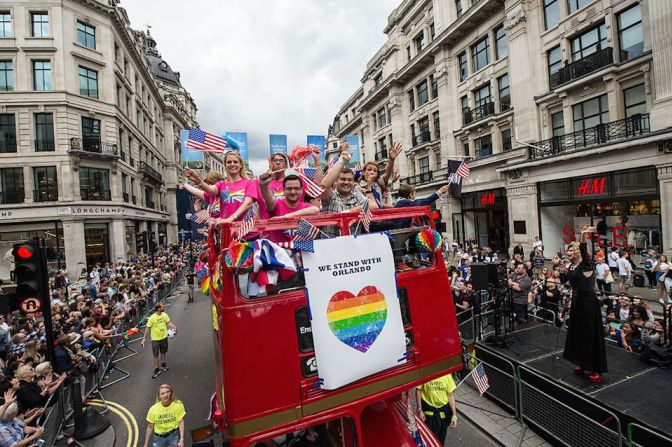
[
  {"x": 278, "y": 144},
  {"x": 319, "y": 141},
  {"x": 353, "y": 143},
  {"x": 241, "y": 139}
]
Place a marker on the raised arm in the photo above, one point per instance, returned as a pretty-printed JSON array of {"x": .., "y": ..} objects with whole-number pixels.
[
  {"x": 264, "y": 180},
  {"x": 333, "y": 173},
  {"x": 198, "y": 181},
  {"x": 193, "y": 191},
  {"x": 392, "y": 154}
]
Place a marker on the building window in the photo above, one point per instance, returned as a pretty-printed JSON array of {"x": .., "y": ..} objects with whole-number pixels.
[
  {"x": 464, "y": 71},
  {"x": 504, "y": 93},
  {"x": 11, "y": 186},
  {"x": 554, "y": 56},
  {"x": 589, "y": 42},
  {"x": 382, "y": 117},
  {"x": 411, "y": 100},
  {"x": 7, "y": 133},
  {"x": 501, "y": 46},
  {"x": 635, "y": 100},
  {"x": 551, "y": 13},
  {"x": 423, "y": 165},
  {"x": 558, "y": 123},
  {"x": 439, "y": 160},
  {"x": 42, "y": 75},
  {"x": 46, "y": 184},
  {"x": 575, "y": 5},
  {"x": 94, "y": 183},
  {"x": 482, "y": 96},
  {"x": 44, "y": 132},
  {"x": 590, "y": 113},
  {"x": 479, "y": 54},
  {"x": 423, "y": 127},
  {"x": 483, "y": 146},
  {"x": 435, "y": 86},
  {"x": 88, "y": 82},
  {"x": 5, "y": 24},
  {"x": 432, "y": 31},
  {"x": 86, "y": 35},
  {"x": 458, "y": 8},
  {"x": 630, "y": 34},
  {"x": 39, "y": 23},
  {"x": 423, "y": 96},
  {"x": 437, "y": 126},
  {"x": 464, "y": 102},
  {"x": 6, "y": 76},
  {"x": 419, "y": 42},
  {"x": 91, "y": 134},
  {"x": 506, "y": 140}
]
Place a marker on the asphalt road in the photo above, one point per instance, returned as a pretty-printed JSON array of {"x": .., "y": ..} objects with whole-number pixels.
[{"x": 190, "y": 362}]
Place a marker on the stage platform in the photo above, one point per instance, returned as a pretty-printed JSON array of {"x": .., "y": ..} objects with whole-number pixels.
[{"x": 633, "y": 392}]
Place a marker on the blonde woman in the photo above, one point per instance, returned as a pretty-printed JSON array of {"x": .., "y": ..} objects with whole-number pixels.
[
  {"x": 165, "y": 420},
  {"x": 32, "y": 351}
]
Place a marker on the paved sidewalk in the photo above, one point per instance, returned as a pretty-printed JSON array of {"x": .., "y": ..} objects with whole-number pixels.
[{"x": 502, "y": 427}]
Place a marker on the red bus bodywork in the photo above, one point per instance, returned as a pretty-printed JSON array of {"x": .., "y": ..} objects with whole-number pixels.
[{"x": 260, "y": 388}]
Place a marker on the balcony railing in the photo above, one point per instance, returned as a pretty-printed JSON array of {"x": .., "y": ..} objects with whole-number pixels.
[
  {"x": 584, "y": 66},
  {"x": 93, "y": 146},
  {"x": 7, "y": 147},
  {"x": 125, "y": 196},
  {"x": 150, "y": 204},
  {"x": 151, "y": 172},
  {"x": 7, "y": 197},
  {"x": 598, "y": 135},
  {"x": 419, "y": 179},
  {"x": 421, "y": 138},
  {"x": 478, "y": 113},
  {"x": 381, "y": 155},
  {"x": 45, "y": 195},
  {"x": 45, "y": 146},
  {"x": 89, "y": 194}
]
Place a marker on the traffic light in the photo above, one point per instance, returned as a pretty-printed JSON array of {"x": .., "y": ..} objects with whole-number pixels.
[
  {"x": 141, "y": 242},
  {"x": 31, "y": 276},
  {"x": 436, "y": 217}
]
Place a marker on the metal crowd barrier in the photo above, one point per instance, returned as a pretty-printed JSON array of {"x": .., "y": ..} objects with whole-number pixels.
[
  {"x": 502, "y": 380},
  {"x": 639, "y": 436},
  {"x": 60, "y": 407}
]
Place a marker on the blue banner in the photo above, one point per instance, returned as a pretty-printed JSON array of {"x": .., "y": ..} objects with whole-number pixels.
[
  {"x": 241, "y": 139},
  {"x": 190, "y": 157},
  {"x": 278, "y": 144},
  {"x": 319, "y": 141},
  {"x": 353, "y": 142}
]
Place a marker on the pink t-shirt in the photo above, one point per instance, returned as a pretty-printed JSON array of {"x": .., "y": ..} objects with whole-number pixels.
[
  {"x": 281, "y": 209},
  {"x": 232, "y": 195},
  {"x": 277, "y": 189}
]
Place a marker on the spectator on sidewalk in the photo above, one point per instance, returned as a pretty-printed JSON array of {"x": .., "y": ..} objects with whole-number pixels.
[
  {"x": 624, "y": 272},
  {"x": 157, "y": 326},
  {"x": 436, "y": 405},
  {"x": 165, "y": 420}
]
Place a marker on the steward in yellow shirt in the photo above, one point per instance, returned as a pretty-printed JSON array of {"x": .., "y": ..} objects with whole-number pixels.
[
  {"x": 165, "y": 420},
  {"x": 436, "y": 405}
]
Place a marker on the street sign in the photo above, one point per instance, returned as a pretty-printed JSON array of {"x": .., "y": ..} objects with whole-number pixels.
[{"x": 30, "y": 305}]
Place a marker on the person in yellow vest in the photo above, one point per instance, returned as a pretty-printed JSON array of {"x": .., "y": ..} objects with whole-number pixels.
[
  {"x": 165, "y": 420},
  {"x": 158, "y": 324},
  {"x": 436, "y": 405}
]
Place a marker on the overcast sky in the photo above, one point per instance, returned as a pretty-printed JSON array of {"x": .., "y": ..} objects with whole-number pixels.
[{"x": 266, "y": 66}]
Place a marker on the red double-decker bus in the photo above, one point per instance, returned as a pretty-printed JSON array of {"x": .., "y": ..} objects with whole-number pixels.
[{"x": 266, "y": 372}]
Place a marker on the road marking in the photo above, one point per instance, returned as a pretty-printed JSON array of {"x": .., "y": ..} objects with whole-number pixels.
[{"x": 125, "y": 415}]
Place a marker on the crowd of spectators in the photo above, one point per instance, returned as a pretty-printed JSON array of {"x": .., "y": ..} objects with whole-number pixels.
[{"x": 84, "y": 315}]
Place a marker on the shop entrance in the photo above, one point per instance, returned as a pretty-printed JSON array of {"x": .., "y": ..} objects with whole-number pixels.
[
  {"x": 485, "y": 219},
  {"x": 97, "y": 243}
]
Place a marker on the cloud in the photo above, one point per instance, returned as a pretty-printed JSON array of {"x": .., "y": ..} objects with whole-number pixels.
[{"x": 266, "y": 66}]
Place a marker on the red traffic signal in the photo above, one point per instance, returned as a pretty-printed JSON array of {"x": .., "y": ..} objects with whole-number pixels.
[
  {"x": 24, "y": 252},
  {"x": 436, "y": 215}
]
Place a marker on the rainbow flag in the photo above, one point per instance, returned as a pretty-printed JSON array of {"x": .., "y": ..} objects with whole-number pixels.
[
  {"x": 205, "y": 285},
  {"x": 357, "y": 320}
]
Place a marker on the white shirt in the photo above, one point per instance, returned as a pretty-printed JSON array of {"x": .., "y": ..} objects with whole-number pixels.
[
  {"x": 661, "y": 266},
  {"x": 624, "y": 267},
  {"x": 613, "y": 259},
  {"x": 537, "y": 244},
  {"x": 601, "y": 270}
]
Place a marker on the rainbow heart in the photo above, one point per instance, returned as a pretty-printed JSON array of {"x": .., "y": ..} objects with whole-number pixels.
[{"x": 357, "y": 320}]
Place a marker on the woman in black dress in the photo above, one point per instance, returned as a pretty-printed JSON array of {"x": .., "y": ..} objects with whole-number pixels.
[{"x": 584, "y": 345}]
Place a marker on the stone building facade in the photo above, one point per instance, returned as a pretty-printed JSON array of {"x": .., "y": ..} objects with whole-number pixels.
[
  {"x": 89, "y": 132},
  {"x": 563, "y": 107}
]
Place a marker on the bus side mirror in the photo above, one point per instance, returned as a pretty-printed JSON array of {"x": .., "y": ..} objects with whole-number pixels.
[{"x": 202, "y": 437}]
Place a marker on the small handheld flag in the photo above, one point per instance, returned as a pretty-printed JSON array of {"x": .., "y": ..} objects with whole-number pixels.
[{"x": 365, "y": 215}]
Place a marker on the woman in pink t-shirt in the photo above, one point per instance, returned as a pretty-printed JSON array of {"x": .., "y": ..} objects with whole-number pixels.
[{"x": 236, "y": 194}]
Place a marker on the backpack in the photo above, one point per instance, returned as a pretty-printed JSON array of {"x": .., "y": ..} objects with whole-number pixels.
[{"x": 656, "y": 355}]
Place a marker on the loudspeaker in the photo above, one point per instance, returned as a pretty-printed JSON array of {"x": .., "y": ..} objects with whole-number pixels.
[{"x": 483, "y": 274}]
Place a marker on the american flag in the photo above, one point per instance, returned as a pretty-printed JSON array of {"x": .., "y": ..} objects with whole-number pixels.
[
  {"x": 205, "y": 141},
  {"x": 365, "y": 215},
  {"x": 305, "y": 232},
  {"x": 463, "y": 170},
  {"x": 304, "y": 246},
  {"x": 480, "y": 378},
  {"x": 246, "y": 226},
  {"x": 201, "y": 217},
  {"x": 333, "y": 161},
  {"x": 308, "y": 177}
]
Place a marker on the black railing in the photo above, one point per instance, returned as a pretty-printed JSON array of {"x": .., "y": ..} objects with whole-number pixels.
[
  {"x": 125, "y": 196},
  {"x": 600, "y": 134},
  {"x": 93, "y": 146},
  {"x": 478, "y": 113},
  {"x": 419, "y": 179},
  {"x": 7, "y": 146},
  {"x": 7, "y": 197},
  {"x": 88, "y": 194},
  {"x": 134, "y": 200},
  {"x": 45, "y": 146},
  {"x": 151, "y": 172},
  {"x": 45, "y": 195},
  {"x": 150, "y": 204},
  {"x": 421, "y": 138},
  {"x": 381, "y": 155},
  {"x": 584, "y": 66}
]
